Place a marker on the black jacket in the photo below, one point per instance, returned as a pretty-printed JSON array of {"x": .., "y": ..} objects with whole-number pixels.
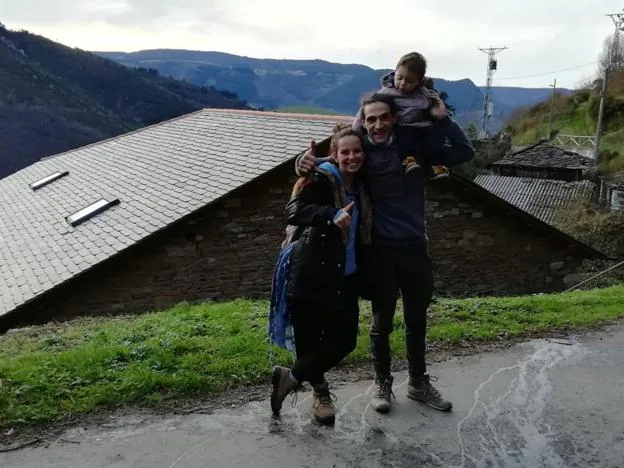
[{"x": 317, "y": 262}]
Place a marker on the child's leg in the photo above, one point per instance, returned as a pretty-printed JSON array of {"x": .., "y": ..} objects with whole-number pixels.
[{"x": 431, "y": 144}]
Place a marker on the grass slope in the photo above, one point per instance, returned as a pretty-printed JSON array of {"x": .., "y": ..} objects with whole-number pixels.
[
  {"x": 576, "y": 114},
  {"x": 60, "y": 370}
]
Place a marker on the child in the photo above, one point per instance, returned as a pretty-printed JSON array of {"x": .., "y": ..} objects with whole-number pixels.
[{"x": 407, "y": 85}]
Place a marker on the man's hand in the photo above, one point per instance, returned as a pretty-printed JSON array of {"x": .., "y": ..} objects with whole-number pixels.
[
  {"x": 438, "y": 109},
  {"x": 306, "y": 163},
  {"x": 343, "y": 218}
]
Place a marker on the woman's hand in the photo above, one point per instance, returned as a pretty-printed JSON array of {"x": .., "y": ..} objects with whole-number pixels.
[
  {"x": 343, "y": 218},
  {"x": 307, "y": 162}
]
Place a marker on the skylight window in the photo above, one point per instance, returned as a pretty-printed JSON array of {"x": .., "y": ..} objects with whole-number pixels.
[
  {"x": 90, "y": 211},
  {"x": 47, "y": 180}
]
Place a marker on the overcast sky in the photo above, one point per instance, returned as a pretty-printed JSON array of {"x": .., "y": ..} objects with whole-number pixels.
[{"x": 543, "y": 36}]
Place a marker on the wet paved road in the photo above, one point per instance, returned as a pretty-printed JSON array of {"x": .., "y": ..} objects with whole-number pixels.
[{"x": 544, "y": 403}]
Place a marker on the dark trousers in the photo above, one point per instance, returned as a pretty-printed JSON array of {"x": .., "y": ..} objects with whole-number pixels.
[
  {"x": 324, "y": 335},
  {"x": 408, "y": 269}
]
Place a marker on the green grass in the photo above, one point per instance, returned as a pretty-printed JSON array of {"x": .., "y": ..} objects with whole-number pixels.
[
  {"x": 308, "y": 110},
  {"x": 532, "y": 124},
  {"x": 62, "y": 370},
  {"x": 571, "y": 116}
]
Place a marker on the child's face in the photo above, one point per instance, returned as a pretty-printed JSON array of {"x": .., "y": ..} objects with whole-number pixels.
[{"x": 405, "y": 81}]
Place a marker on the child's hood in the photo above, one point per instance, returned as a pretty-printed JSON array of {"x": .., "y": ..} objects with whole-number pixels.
[{"x": 387, "y": 81}]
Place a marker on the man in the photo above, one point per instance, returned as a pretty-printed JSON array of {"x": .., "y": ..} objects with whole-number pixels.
[{"x": 399, "y": 255}]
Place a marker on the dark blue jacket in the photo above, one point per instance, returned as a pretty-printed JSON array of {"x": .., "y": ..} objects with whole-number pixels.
[{"x": 399, "y": 199}]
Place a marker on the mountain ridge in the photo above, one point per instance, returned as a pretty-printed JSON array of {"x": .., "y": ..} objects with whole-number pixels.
[
  {"x": 55, "y": 98},
  {"x": 275, "y": 83},
  {"x": 272, "y": 83}
]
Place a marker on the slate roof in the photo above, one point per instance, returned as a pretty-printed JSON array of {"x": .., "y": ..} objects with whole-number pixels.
[
  {"x": 542, "y": 198},
  {"x": 160, "y": 174},
  {"x": 544, "y": 155}
]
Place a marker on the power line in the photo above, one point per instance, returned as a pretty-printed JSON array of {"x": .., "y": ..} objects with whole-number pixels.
[
  {"x": 582, "y": 80},
  {"x": 548, "y": 73}
]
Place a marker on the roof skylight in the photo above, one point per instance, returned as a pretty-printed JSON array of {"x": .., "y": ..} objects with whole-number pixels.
[
  {"x": 48, "y": 179},
  {"x": 90, "y": 211}
]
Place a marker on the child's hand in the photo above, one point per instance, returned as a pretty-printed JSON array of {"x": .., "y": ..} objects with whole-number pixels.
[
  {"x": 343, "y": 218},
  {"x": 307, "y": 162},
  {"x": 438, "y": 109}
]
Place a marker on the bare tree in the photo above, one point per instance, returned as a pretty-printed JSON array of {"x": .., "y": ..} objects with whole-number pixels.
[{"x": 612, "y": 53}]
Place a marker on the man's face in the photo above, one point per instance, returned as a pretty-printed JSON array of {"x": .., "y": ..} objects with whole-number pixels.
[{"x": 378, "y": 121}]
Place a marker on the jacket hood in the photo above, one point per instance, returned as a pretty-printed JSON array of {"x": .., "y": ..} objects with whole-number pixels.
[
  {"x": 332, "y": 169},
  {"x": 387, "y": 81}
]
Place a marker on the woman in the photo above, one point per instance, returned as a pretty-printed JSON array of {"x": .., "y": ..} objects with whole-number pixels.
[{"x": 332, "y": 218}]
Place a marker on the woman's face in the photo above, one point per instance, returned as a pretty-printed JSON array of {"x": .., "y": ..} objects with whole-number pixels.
[{"x": 349, "y": 154}]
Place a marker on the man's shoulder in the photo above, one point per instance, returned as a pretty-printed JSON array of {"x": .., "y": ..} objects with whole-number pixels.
[{"x": 389, "y": 91}]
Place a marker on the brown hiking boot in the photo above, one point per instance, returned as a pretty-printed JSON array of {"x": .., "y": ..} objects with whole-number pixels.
[
  {"x": 283, "y": 384},
  {"x": 439, "y": 172},
  {"x": 422, "y": 390},
  {"x": 323, "y": 406},
  {"x": 409, "y": 164},
  {"x": 382, "y": 401}
]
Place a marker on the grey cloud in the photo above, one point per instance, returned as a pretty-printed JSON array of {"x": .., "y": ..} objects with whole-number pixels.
[
  {"x": 269, "y": 35},
  {"x": 147, "y": 14},
  {"x": 525, "y": 13},
  {"x": 141, "y": 11}
]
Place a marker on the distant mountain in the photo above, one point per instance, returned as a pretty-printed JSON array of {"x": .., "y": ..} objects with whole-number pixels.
[
  {"x": 273, "y": 84},
  {"x": 54, "y": 98},
  {"x": 516, "y": 97}
]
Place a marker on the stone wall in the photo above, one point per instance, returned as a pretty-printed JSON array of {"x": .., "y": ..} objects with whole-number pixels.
[
  {"x": 568, "y": 175},
  {"x": 228, "y": 250},
  {"x": 490, "y": 150},
  {"x": 487, "y": 151},
  {"x": 479, "y": 246}
]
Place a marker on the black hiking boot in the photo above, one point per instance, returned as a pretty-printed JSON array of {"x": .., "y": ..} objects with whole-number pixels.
[{"x": 422, "y": 390}]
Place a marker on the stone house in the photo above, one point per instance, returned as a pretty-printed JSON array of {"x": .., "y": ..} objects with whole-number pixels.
[
  {"x": 543, "y": 161},
  {"x": 193, "y": 209}
]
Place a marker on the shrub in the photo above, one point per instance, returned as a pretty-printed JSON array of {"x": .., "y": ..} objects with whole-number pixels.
[{"x": 590, "y": 224}]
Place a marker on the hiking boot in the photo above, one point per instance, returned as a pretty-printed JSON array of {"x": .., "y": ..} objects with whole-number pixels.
[
  {"x": 438, "y": 172},
  {"x": 283, "y": 384},
  {"x": 422, "y": 390},
  {"x": 409, "y": 164},
  {"x": 382, "y": 402},
  {"x": 323, "y": 406}
]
